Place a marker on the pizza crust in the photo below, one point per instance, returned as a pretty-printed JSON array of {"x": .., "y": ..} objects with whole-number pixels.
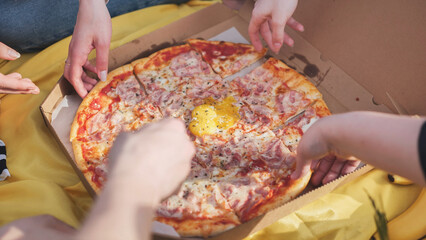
[
  {"x": 292, "y": 78},
  {"x": 160, "y": 59},
  {"x": 81, "y": 163},
  {"x": 226, "y": 58},
  {"x": 284, "y": 195},
  {"x": 321, "y": 108}
]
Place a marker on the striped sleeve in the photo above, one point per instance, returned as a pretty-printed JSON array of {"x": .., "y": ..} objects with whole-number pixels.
[
  {"x": 422, "y": 148},
  {"x": 4, "y": 172}
]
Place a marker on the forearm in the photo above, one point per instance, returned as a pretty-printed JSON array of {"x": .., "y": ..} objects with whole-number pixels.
[
  {"x": 121, "y": 212},
  {"x": 386, "y": 141}
]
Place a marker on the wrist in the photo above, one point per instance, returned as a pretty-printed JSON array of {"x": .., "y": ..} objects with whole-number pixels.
[
  {"x": 324, "y": 129},
  {"x": 131, "y": 190}
]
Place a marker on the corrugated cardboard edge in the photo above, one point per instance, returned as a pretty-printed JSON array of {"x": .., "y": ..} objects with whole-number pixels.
[{"x": 61, "y": 88}]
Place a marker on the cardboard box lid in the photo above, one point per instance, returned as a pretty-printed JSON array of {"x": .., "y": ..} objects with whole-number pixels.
[{"x": 381, "y": 44}]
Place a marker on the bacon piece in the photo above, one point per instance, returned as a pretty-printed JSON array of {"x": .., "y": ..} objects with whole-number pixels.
[
  {"x": 290, "y": 102},
  {"x": 129, "y": 91},
  {"x": 275, "y": 154}
]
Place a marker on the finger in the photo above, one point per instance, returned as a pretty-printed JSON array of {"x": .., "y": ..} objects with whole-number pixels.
[
  {"x": 89, "y": 66},
  {"x": 87, "y": 86},
  {"x": 288, "y": 40},
  {"x": 102, "y": 51},
  {"x": 8, "y": 53},
  {"x": 88, "y": 79},
  {"x": 277, "y": 26},
  {"x": 75, "y": 73},
  {"x": 295, "y": 25},
  {"x": 350, "y": 166},
  {"x": 265, "y": 31},
  {"x": 15, "y": 75},
  {"x": 16, "y": 84},
  {"x": 335, "y": 170},
  {"x": 34, "y": 89},
  {"x": 302, "y": 167},
  {"x": 254, "y": 27},
  {"x": 12, "y": 91},
  {"x": 322, "y": 169},
  {"x": 314, "y": 164}
]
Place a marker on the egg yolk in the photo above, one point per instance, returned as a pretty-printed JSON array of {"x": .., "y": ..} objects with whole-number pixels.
[{"x": 213, "y": 116}]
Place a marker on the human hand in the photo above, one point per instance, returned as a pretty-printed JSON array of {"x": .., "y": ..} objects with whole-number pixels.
[
  {"x": 92, "y": 31},
  {"x": 13, "y": 83},
  {"x": 269, "y": 18},
  {"x": 317, "y": 152},
  {"x": 37, "y": 227},
  {"x": 160, "y": 153}
]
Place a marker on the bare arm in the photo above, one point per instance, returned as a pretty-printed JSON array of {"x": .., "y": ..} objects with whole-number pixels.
[{"x": 386, "y": 141}]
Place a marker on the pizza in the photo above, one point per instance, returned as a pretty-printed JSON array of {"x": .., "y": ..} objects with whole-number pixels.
[{"x": 245, "y": 129}]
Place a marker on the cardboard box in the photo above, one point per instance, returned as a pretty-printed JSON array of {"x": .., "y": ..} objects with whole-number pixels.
[{"x": 344, "y": 89}]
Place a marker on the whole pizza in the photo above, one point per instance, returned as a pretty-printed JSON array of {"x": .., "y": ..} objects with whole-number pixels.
[{"x": 245, "y": 129}]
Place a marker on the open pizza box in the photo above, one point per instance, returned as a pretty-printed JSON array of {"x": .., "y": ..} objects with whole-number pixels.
[{"x": 336, "y": 53}]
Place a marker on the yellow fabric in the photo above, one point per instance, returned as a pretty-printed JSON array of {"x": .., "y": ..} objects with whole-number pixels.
[
  {"x": 345, "y": 213},
  {"x": 43, "y": 182}
]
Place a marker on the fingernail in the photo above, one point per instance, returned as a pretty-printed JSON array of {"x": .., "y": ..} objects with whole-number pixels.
[
  {"x": 277, "y": 45},
  {"x": 302, "y": 28},
  {"x": 14, "y": 54},
  {"x": 103, "y": 75},
  {"x": 35, "y": 91}
]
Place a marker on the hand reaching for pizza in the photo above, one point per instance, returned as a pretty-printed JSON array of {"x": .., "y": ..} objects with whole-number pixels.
[
  {"x": 268, "y": 19},
  {"x": 317, "y": 152},
  {"x": 13, "y": 83},
  {"x": 386, "y": 141},
  {"x": 160, "y": 154},
  {"x": 92, "y": 31}
]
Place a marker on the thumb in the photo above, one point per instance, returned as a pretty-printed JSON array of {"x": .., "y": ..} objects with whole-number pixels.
[
  {"x": 302, "y": 168},
  {"x": 8, "y": 53},
  {"x": 313, "y": 145}
]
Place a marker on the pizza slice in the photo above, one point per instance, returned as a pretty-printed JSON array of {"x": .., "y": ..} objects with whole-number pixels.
[
  {"x": 226, "y": 58},
  {"x": 272, "y": 93},
  {"x": 174, "y": 77},
  {"x": 198, "y": 209}
]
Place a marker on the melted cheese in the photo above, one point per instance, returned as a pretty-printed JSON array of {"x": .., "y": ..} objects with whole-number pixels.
[{"x": 214, "y": 116}]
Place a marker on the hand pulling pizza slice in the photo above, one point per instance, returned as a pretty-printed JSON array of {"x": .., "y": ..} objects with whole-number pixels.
[{"x": 226, "y": 58}]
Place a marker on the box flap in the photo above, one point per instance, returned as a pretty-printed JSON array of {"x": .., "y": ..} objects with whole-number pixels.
[{"x": 381, "y": 44}]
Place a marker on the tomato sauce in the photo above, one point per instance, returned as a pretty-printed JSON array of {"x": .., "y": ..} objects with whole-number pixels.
[{"x": 213, "y": 51}]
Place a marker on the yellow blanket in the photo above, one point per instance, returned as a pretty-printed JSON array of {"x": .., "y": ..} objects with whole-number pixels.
[{"x": 43, "y": 182}]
